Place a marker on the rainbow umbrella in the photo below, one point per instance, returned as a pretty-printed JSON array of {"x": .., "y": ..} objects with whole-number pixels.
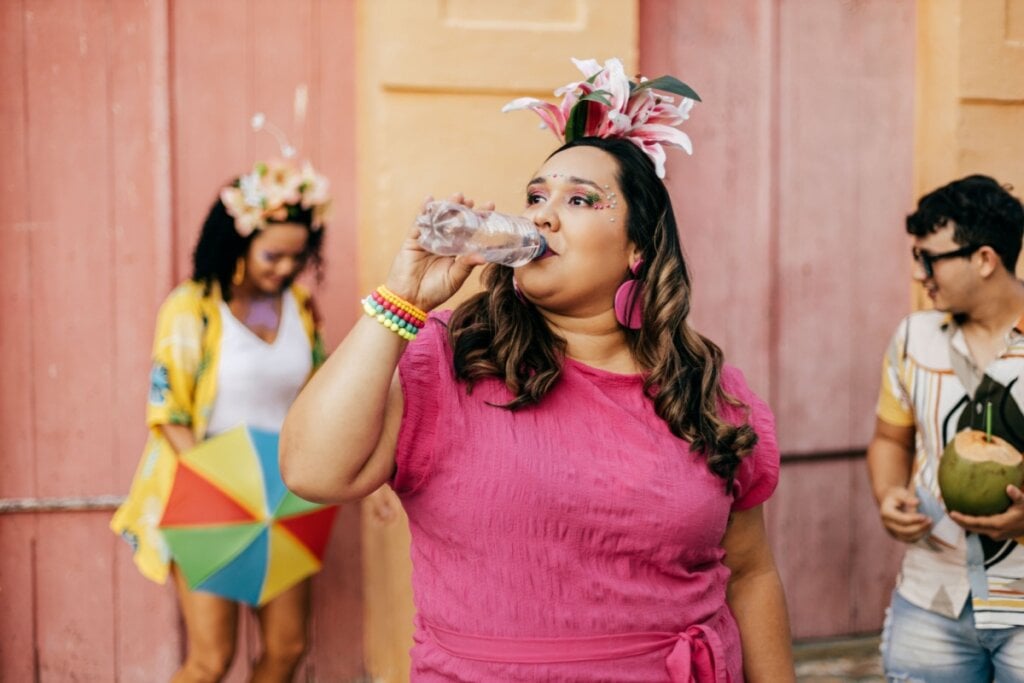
[{"x": 233, "y": 528}]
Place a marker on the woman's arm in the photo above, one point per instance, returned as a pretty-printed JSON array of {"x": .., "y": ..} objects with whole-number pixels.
[
  {"x": 338, "y": 440},
  {"x": 757, "y": 601},
  {"x": 180, "y": 437}
]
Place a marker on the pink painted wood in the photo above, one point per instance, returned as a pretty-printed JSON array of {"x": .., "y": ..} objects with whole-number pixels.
[
  {"x": 71, "y": 262},
  {"x": 146, "y": 636},
  {"x": 17, "y": 468},
  {"x": 791, "y": 213},
  {"x": 120, "y": 121}
]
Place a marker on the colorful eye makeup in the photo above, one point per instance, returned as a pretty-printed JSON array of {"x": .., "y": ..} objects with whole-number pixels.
[
  {"x": 275, "y": 256},
  {"x": 593, "y": 198}
]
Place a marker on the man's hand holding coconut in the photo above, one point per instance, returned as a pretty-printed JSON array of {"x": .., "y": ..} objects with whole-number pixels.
[{"x": 980, "y": 477}]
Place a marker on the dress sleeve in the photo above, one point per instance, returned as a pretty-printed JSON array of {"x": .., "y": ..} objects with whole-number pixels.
[
  {"x": 424, "y": 370},
  {"x": 177, "y": 354},
  {"x": 758, "y": 474}
]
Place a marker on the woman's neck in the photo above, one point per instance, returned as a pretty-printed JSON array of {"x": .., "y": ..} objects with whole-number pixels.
[{"x": 598, "y": 341}]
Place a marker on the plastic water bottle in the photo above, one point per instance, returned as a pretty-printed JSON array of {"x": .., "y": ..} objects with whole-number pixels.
[{"x": 451, "y": 229}]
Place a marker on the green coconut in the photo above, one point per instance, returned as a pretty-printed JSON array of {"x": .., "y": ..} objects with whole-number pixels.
[{"x": 974, "y": 472}]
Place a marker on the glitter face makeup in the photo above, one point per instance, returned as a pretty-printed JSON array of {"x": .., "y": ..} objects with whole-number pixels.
[{"x": 592, "y": 198}]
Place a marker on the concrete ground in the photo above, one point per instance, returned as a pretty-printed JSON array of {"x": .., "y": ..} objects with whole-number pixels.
[{"x": 847, "y": 660}]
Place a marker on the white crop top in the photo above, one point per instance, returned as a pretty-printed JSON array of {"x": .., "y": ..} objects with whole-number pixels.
[{"x": 257, "y": 381}]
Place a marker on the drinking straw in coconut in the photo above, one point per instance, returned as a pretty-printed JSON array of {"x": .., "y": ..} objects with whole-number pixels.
[{"x": 988, "y": 421}]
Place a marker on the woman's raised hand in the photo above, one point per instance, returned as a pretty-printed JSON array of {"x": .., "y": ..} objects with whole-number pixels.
[{"x": 426, "y": 279}]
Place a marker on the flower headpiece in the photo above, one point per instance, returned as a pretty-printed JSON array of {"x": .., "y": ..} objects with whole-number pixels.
[
  {"x": 276, "y": 190},
  {"x": 609, "y": 105}
]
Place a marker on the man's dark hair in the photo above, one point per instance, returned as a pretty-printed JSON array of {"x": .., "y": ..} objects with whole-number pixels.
[{"x": 982, "y": 211}]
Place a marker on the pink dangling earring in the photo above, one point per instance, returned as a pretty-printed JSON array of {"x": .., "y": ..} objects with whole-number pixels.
[{"x": 628, "y": 300}]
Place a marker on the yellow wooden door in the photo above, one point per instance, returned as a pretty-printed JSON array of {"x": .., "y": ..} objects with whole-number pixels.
[
  {"x": 970, "y": 94},
  {"x": 433, "y": 77}
]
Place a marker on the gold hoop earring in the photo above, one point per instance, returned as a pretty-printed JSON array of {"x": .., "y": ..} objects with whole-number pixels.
[{"x": 239, "y": 277}]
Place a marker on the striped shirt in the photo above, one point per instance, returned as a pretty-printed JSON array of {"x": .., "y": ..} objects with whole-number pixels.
[{"x": 930, "y": 382}]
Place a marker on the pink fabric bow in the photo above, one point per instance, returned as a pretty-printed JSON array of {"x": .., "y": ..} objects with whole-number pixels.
[{"x": 692, "y": 660}]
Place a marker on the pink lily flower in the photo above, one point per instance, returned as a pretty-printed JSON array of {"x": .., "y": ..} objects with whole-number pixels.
[
  {"x": 617, "y": 107},
  {"x": 553, "y": 117}
]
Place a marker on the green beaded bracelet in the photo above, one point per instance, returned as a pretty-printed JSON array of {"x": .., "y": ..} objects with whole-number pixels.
[{"x": 402, "y": 328}]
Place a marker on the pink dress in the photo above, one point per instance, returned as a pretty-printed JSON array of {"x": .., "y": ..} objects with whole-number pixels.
[{"x": 578, "y": 540}]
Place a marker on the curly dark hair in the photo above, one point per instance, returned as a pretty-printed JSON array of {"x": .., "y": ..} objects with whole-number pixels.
[
  {"x": 219, "y": 247},
  {"x": 494, "y": 334},
  {"x": 982, "y": 211}
]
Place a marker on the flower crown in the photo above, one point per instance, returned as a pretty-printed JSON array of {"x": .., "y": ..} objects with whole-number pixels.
[
  {"x": 609, "y": 105},
  {"x": 276, "y": 190}
]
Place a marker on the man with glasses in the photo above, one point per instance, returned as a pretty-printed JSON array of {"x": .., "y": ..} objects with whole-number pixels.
[{"x": 957, "y": 613}]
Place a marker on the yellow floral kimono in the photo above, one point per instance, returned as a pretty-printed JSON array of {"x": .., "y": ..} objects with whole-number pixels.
[{"x": 183, "y": 381}]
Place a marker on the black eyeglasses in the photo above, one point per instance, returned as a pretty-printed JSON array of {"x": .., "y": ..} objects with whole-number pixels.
[{"x": 927, "y": 259}]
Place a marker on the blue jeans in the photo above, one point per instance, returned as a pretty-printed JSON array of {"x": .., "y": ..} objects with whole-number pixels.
[{"x": 919, "y": 646}]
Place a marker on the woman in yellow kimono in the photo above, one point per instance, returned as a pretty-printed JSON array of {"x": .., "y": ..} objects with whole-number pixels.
[{"x": 234, "y": 343}]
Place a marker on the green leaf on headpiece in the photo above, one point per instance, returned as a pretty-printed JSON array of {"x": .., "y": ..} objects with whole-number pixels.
[
  {"x": 576, "y": 124},
  {"x": 602, "y": 96},
  {"x": 594, "y": 77},
  {"x": 672, "y": 85}
]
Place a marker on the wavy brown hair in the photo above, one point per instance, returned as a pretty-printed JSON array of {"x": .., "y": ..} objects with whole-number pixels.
[{"x": 494, "y": 334}]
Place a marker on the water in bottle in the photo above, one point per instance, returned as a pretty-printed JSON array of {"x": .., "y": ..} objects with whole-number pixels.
[{"x": 451, "y": 229}]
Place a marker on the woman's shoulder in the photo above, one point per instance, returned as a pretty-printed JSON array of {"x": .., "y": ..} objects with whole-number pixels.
[
  {"x": 187, "y": 294},
  {"x": 306, "y": 302},
  {"x": 303, "y": 295},
  {"x": 190, "y": 298},
  {"x": 734, "y": 383},
  {"x": 733, "y": 380}
]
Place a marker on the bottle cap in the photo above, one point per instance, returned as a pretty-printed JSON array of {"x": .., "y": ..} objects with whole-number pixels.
[{"x": 543, "y": 248}]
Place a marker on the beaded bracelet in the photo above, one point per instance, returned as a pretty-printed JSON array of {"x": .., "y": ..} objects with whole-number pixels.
[
  {"x": 394, "y": 313},
  {"x": 386, "y": 294}
]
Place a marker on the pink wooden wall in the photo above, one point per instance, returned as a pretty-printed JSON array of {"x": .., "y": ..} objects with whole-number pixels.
[
  {"x": 792, "y": 213},
  {"x": 120, "y": 120}
]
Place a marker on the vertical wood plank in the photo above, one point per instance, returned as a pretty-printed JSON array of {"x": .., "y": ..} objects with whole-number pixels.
[
  {"x": 17, "y": 466},
  {"x": 336, "y": 629},
  {"x": 72, "y": 267},
  {"x": 818, "y": 90},
  {"x": 211, "y": 106},
  {"x": 68, "y": 102},
  {"x": 18, "y": 622},
  {"x": 148, "y": 640},
  {"x": 723, "y": 194},
  {"x": 811, "y": 540},
  {"x": 875, "y": 557},
  {"x": 333, "y": 116},
  {"x": 75, "y": 632},
  {"x": 846, "y": 127}
]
